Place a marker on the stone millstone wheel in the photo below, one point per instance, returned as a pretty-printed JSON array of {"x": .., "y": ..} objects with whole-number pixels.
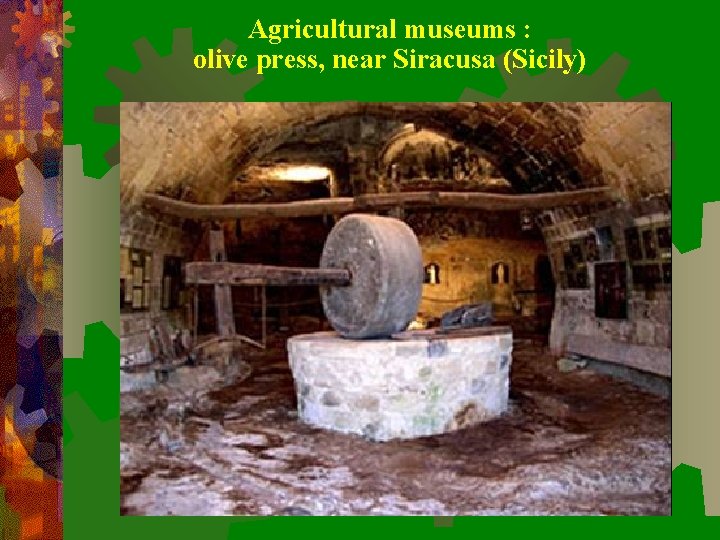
[{"x": 385, "y": 262}]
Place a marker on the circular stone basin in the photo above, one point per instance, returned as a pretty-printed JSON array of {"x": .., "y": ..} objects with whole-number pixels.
[{"x": 413, "y": 385}]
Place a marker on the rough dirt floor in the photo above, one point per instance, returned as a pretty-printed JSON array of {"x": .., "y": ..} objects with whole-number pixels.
[{"x": 571, "y": 443}]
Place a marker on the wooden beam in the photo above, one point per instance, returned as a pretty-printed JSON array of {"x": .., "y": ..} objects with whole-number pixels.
[
  {"x": 214, "y": 273},
  {"x": 316, "y": 207},
  {"x": 378, "y": 201},
  {"x": 223, "y": 295}
]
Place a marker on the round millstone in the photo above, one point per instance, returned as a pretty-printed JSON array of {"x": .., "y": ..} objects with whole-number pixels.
[{"x": 385, "y": 262}]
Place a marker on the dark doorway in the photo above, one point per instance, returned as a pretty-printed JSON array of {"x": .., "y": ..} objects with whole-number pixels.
[
  {"x": 544, "y": 280},
  {"x": 545, "y": 293}
]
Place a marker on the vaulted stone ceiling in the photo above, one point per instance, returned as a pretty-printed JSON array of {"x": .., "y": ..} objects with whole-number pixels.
[{"x": 538, "y": 147}]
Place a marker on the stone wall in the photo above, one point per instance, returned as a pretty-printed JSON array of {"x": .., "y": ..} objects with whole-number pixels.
[
  {"x": 647, "y": 321},
  {"x": 465, "y": 246},
  {"x": 159, "y": 237},
  {"x": 465, "y": 267}
]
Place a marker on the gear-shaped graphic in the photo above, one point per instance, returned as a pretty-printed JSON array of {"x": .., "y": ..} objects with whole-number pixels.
[
  {"x": 154, "y": 81},
  {"x": 38, "y": 33},
  {"x": 552, "y": 85},
  {"x": 67, "y": 29},
  {"x": 87, "y": 273}
]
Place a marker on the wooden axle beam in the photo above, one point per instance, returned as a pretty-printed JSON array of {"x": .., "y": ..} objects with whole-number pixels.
[
  {"x": 226, "y": 273},
  {"x": 376, "y": 201}
]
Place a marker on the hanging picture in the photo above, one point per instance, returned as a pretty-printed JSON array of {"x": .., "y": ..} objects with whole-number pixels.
[
  {"x": 125, "y": 263},
  {"x": 653, "y": 275},
  {"x": 577, "y": 251},
  {"x": 649, "y": 244},
  {"x": 667, "y": 273},
  {"x": 605, "y": 235},
  {"x": 137, "y": 302},
  {"x": 663, "y": 238},
  {"x": 611, "y": 290},
  {"x": 605, "y": 239},
  {"x": 591, "y": 248},
  {"x": 138, "y": 276},
  {"x": 632, "y": 244}
]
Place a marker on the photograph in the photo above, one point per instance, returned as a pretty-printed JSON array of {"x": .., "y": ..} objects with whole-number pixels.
[
  {"x": 394, "y": 309},
  {"x": 379, "y": 261},
  {"x": 632, "y": 243}
]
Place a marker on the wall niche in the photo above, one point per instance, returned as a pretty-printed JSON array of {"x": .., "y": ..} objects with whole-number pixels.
[{"x": 432, "y": 274}]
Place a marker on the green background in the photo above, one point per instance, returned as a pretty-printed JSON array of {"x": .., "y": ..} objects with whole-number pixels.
[{"x": 664, "y": 48}]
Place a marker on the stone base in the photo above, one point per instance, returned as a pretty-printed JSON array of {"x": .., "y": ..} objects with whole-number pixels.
[{"x": 422, "y": 383}]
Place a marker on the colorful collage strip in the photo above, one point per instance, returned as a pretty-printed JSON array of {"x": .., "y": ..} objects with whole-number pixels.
[{"x": 31, "y": 251}]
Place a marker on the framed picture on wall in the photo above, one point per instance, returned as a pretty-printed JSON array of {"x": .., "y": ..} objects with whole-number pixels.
[
  {"x": 135, "y": 276},
  {"x": 582, "y": 278},
  {"x": 653, "y": 275},
  {"x": 611, "y": 290},
  {"x": 591, "y": 248},
  {"x": 137, "y": 302},
  {"x": 667, "y": 273},
  {"x": 663, "y": 237},
  {"x": 605, "y": 241},
  {"x": 576, "y": 248},
  {"x": 649, "y": 244},
  {"x": 632, "y": 243},
  {"x": 138, "y": 276}
]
